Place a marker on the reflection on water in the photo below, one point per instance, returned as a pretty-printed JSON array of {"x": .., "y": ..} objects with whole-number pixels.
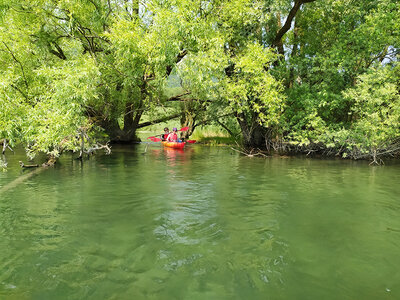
[{"x": 201, "y": 223}]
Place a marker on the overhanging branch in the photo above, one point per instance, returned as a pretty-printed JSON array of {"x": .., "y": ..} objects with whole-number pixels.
[
  {"x": 160, "y": 120},
  {"x": 20, "y": 64},
  {"x": 181, "y": 99},
  {"x": 216, "y": 118},
  {"x": 178, "y": 97}
]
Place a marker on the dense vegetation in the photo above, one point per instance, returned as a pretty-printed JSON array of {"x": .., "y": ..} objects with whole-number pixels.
[{"x": 305, "y": 75}]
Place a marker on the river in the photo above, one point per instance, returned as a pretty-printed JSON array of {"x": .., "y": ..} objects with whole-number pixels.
[{"x": 203, "y": 223}]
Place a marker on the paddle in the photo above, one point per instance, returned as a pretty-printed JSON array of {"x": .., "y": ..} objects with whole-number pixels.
[
  {"x": 191, "y": 141},
  {"x": 154, "y": 139}
]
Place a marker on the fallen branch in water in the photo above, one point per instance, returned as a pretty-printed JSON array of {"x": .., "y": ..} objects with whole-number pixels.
[
  {"x": 96, "y": 147},
  {"x": 27, "y": 166},
  {"x": 250, "y": 153},
  {"x": 83, "y": 136},
  {"x": 49, "y": 163}
]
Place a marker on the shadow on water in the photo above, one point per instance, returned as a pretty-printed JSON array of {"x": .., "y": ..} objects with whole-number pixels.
[{"x": 202, "y": 223}]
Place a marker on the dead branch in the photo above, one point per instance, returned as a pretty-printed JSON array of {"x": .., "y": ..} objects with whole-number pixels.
[
  {"x": 5, "y": 146},
  {"x": 250, "y": 153},
  {"x": 96, "y": 147}
]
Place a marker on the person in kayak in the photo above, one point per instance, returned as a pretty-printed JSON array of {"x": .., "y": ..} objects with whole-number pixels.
[
  {"x": 165, "y": 134},
  {"x": 173, "y": 136}
]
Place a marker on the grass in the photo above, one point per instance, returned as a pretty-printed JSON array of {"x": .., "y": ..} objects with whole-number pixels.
[{"x": 212, "y": 135}]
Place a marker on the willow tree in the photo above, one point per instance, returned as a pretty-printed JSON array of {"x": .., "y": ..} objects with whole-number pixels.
[
  {"x": 234, "y": 75},
  {"x": 326, "y": 52},
  {"x": 74, "y": 71},
  {"x": 43, "y": 94}
]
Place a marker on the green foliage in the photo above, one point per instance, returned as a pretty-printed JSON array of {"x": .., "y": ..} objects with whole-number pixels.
[
  {"x": 376, "y": 110},
  {"x": 59, "y": 111},
  {"x": 341, "y": 89},
  {"x": 97, "y": 67},
  {"x": 373, "y": 127},
  {"x": 252, "y": 89}
]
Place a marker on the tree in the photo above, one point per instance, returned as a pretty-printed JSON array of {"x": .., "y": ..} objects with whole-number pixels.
[
  {"x": 75, "y": 72},
  {"x": 332, "y": 45},
  {"x": 90, "y": 66}
]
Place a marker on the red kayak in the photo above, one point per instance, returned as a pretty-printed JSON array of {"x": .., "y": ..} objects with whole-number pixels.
[{"x": 175, "y": 145}]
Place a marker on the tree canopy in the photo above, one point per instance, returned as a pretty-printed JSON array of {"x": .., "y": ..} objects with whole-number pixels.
[{"x": 303, "y": 75}]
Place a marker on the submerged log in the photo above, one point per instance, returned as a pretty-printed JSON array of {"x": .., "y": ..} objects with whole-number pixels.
[
  {"x": 27, "y": 166},
  {"x": 16, "y": 182},
  {"x": 49, "y": 163}
]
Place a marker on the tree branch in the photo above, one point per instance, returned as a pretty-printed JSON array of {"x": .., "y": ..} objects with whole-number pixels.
[
  {"x": 160, "y": 120},
  {"x": 95, "y": 5},
  {"x": 225, "y": 127},
  {"x": 285, "y": 28},
  {"x": 20, "y": 64},
  {"x": 19, "y": 90},
  {"x": 59, "y": 53},
  {"x": 178, "y": 97},
  {"x": 211, "y": 120}
]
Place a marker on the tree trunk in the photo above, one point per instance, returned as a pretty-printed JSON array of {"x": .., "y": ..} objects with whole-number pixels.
[
  {"x": 188, "y": 120},
  {"x": 278, "y": 42},
  {"x": 129, "y": 131},
  {"x": 127, "y": 134},
  {"x": 291, "y": 78},
  {"x": 253, "y": 133}
]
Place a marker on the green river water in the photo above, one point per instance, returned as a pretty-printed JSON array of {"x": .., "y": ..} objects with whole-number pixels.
[{"x": 203, "y": 223}]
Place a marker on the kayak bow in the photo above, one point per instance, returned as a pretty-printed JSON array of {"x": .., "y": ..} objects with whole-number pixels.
[{"x": 175, "y": 145}]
